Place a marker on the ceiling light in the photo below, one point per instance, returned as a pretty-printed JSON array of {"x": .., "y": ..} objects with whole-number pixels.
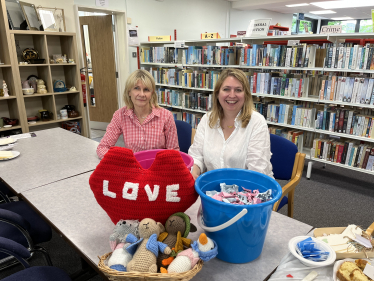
[
  {"x": 298, "y": 5},
  {"x": 343, "y": 4},
  {"x": 323, "y": 12},
  {"x": 342, "y": 18}
]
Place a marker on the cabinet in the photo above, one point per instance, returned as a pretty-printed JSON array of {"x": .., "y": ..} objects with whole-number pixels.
[
  {"x": 21, "y": 106},
  {"x": 311, "y": 100}
]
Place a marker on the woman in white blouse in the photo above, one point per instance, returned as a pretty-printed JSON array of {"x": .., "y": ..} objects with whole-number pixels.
[{"x": 232, "y": 134}]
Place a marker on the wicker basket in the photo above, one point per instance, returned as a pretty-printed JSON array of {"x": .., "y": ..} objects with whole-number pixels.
[{"x": 115, "y": 275}]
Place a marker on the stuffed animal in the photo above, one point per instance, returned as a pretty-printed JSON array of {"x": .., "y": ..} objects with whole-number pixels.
[
  {"x": 145, "y": 257},
  {"x": 204, "y": 249},
  {"x": 177, "y": 229},
  {"x": 125, "y": 232},
  {"x": 122, "y": 254}
]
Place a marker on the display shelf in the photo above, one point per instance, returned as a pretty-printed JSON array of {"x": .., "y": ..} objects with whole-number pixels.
[
  {"x": 32, "y": 64},
  {"x": 348, "y": 136},
  {"x": 59, "y": 64},
  {"x": 342, "y": 166},
  {"x": 37, "y": 95},
  {"x": 39, "y": 123},
  {"x": 282, "y": 40},
  {"x": 8, "y": 98},
  {"x": 2, "y": 129},
  {"x": 163, "y": 64},
  {"x": 66, "y": 92},
  {"x": 181, "y": 87},
  {"x": 36, "y": 32},
  {"x": 291, "y": 126},
  {"x": 286, "y": 97},
  {"x": 31, "y": 41},
  {"x": 5, "y": 65},
  {"x": 61, "y": 45},
  {"x": 360, "y": 105},
  {"x": 183, "y": 108},
  {"x": 65, "y": 73}
]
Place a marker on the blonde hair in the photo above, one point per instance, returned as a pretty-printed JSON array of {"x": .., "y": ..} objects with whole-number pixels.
[
  {"x": 247, "y": 109},
  {"x": 146, "y": 78}
]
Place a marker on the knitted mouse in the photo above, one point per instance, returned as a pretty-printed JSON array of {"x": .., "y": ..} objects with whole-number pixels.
[
  {"x": 177, "y": 229},
  {"x": 120, "y": 231},
  {"x": 204, "y": 249},
  {"x": 125, "y": 232},
  {"x": 145, "y": 257}
]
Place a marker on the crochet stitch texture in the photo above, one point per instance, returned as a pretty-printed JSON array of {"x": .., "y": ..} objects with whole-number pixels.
[{"x": 125, "y": 190}]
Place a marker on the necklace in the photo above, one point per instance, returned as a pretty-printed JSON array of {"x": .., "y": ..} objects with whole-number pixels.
[{"x": 230, "y": 127}]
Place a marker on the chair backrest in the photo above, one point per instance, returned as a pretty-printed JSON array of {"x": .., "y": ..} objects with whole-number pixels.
[
  {"x": 283, "y": 158},
  {"x": 184, "y": 131}
]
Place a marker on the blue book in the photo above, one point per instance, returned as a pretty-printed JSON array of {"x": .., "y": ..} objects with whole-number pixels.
[
  {"x": 279, "y": 86},
  {"x": 248, "y": 56},
  {"x": 333, "y": 121},
  {"x": 317, "y": 123},
  {"x": 275, "y": 86},
  {"x": 277, "y": 108},
  {"x": 272, "y": 85},
  {"x": 258, "y": 83},
  {"x": 254, "y": 54},
  {"x": 351, "y": 157},
  {"x": 350, "y": 58},
  {"x": 267, "y": 83},
  {"x": 209, "y": 55}
]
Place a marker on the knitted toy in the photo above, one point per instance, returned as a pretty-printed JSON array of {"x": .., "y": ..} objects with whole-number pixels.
[
  {"x": 125, "y": 190},
  {"x": 121, "y": 230},
  {"x": 205, "y": 249},
  {"x": 122, "y": 254},
  {"x": 177, "y": 229},
  {"x": 145, "y": 257}
]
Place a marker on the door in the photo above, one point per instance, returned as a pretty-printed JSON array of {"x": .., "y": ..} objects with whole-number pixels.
[{"x": 102, "y": 93}]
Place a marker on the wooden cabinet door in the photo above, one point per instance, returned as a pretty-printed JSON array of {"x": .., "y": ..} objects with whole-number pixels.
[{"x": 102, "y": 51}]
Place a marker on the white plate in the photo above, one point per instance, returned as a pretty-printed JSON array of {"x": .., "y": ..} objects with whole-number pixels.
[
  {"x": 6, "y": 143},
  {"x": 7, "y": 126},
  {"x": 327, "y": 248},
  {"x": 15, "y": 154},
  {"x": 339, "y": 263}
]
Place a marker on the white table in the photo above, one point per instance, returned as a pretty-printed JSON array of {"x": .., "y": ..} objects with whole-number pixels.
[
  {"x": 52, "y": 155},
  {"x": 71, "y": 208}
]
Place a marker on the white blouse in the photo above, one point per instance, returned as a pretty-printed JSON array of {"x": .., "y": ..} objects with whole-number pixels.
[{"x": 246, "y": 148}]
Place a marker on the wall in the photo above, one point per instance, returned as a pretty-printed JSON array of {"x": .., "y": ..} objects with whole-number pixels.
[
  {"x": 67, "y": 5},
  {"x": 239, "y": 20}
]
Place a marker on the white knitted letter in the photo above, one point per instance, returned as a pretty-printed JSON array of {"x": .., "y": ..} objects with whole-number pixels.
[
  {"x": 134, "y": 194},
  {"x": 152, "y": 196},
  {"x": 106, "y": 190},
  {"x": 172, "y": 196}
]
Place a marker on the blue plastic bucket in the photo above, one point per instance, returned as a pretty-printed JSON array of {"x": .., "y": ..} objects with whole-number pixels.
[{"x": 239, "y": 230}]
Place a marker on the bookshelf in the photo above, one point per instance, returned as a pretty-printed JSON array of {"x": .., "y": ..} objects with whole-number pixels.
[
  {"x": 47, "y": 44},
  {"x": 315, "y": 100}
]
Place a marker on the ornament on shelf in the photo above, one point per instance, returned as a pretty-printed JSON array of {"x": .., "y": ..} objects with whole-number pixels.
[{"x": 5, "y": 89}]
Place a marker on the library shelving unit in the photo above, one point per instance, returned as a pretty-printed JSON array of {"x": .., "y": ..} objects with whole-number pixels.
[
  {"x": 47, "y": 44},
  {"x": 319, "y": 39}
]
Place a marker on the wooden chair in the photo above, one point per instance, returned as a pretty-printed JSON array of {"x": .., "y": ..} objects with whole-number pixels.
[{"x": 288, "y": 164}]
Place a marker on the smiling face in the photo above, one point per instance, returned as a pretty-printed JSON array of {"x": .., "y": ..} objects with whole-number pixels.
[
  {"x": 231, "y": 95},
  {"x": 140, "y": 95}
]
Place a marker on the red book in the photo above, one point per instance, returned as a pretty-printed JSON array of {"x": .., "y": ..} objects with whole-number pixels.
[
  {"x": 300, "y": 86},
  {"x": 245, "y": 55},
  {"x": 254, "y": 82},
  {"x": 339, "y": 159},
  {"x": 341, "y": 121}
]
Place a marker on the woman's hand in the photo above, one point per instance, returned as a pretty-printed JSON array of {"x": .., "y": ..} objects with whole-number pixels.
[{"x": 195, "y": 172}]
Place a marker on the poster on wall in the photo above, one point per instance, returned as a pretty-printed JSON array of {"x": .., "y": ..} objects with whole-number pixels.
[
  {"x": 133, "y": 36},
  {"x": 102, "y": 3},
  {"x": 258, "y": 27}
]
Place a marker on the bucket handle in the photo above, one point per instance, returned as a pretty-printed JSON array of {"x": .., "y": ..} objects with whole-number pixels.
[{"x": 222, "y": 226}]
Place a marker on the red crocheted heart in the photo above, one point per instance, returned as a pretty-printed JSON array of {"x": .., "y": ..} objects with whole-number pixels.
[{"x": 119, "y": 174}]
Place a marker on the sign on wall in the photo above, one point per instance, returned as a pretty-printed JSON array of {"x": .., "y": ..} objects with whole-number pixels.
[
  {"x": 259, "y": 27},
  {"x": 331, "y": 29},
  {"x": 159, "y": 38},
  {"x": 102, "y": 3}
]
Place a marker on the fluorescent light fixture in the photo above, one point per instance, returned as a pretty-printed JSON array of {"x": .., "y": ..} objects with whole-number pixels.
[
  {"x": 343, "y": 4},
  {"x": 323, "y": 12},
  {"x": 342, "y": 18},
  {"x": 298, "y": 5}
]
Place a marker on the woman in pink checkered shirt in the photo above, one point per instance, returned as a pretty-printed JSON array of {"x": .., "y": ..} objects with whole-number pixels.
[{"x": 143, "y": 124}]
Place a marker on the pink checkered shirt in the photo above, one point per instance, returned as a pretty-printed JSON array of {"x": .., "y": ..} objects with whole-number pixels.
[{"x": 158, "y": 131}]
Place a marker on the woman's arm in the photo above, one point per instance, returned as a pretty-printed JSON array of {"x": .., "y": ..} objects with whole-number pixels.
[
  {"x": 197, "y": 148},
  {"x": 113, "y": 131},
  {"x": 258, "y": 153},
  {"x": 171, "y": 135}
]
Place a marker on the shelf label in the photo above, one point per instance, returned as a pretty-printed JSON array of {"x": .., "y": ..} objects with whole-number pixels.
[
  {"x": 330, "y": 29},
  {"x": 214, "y": 35},
  {"x": 293, "y": 42},
  {"x": 259, "y": 27},
  {"x": 179, "y": 44},
  {"x": 159, "y": 38}
]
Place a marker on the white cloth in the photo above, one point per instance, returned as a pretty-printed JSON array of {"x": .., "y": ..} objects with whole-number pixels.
[{"x": 246, "y": 148}]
